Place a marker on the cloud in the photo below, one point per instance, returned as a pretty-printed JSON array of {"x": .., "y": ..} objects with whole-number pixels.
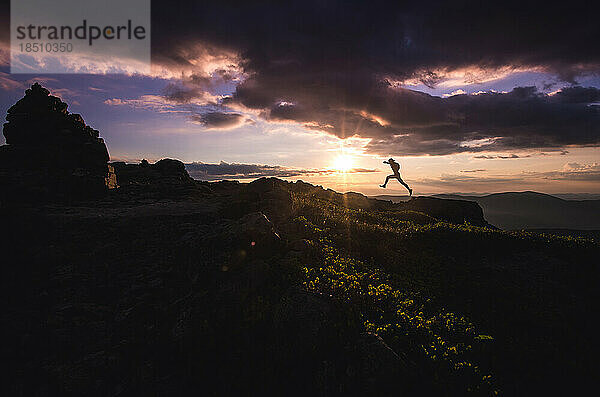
[
  {"x": 177, "y": 94},
  {"x": 65, "y": 94},
  {"x": 576, "y": 95},
  {"x": 407, "y": 122},
  {"x": 344, "y": 75},
  {"x": 8, "y": 84},
  {"x": 407, "y": 40},
  {"x": 203, "y": 171},
  {"x": 4, "y": 37},
  {"x": 480, "y": 170},
  {"x": 549, "y": 152},
  {"x": 41, "y": 80},
  {"x": 460, "y": 91},
  {"x": 559, "y": 152},
  {"x": 156, "y": 103},
  {"x": 223, "y": 170},
  {"x": 502, "y": 156},
  {"x": 197, "y": 110},
  {"x": 574, "y": 172},
  {"x": 220, "y": 120},
  {"x": 570, "y": 172},
  {"x": 453, "y": 180},
  {"x": 191, "y": 58},
  {"x": 402, "y": 40},
  {"x": 346, "y": 72}
]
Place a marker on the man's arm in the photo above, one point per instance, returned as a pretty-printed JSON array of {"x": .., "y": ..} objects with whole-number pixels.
[{"x": 386, "y": 162}]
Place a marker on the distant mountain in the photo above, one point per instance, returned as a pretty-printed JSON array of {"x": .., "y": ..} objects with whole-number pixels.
[
  {"x": 577, "y": 196},
  {"x": 531, "y": 210}
]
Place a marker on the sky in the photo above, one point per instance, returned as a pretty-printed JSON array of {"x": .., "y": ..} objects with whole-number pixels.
[{"x": 468, "y": 96}]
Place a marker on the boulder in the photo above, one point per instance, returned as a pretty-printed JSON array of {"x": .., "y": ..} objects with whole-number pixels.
[
  {"x": 172, "y": 168},
  {"x": 51, "y": 153},
  {"x": 270, "y": 196}
]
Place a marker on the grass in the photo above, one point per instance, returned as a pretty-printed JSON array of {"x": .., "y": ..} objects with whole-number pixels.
[
  {"x": 440, "y": 343},
  {"x": 479, "y": 310}
]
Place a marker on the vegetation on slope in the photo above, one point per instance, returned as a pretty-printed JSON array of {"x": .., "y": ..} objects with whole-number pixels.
[
  {"x": 409, "y": 274},
  {"x": 440, "y": 341},
  {"x": 142, "y": 294}
]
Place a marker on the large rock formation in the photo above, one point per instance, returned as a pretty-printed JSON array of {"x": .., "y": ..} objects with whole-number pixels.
[
  {"x": 165, "y": 171},
  {"x": 453, "y": 211},
  {"x": 165, "y": 179},
  {"x": 51, "y": 153}
]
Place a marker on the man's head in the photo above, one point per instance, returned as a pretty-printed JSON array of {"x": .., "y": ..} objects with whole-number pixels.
[{"x": 391, "y": 160}]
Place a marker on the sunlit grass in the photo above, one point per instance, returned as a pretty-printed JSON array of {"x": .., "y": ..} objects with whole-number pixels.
[{"x": 441, "y": 340}]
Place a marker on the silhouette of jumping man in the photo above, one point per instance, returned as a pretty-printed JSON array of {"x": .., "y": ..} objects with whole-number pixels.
[{"x": 396, "y": 175}]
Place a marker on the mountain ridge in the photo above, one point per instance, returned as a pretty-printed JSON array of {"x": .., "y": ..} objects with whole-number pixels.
[{"x": 531, "y": 210}]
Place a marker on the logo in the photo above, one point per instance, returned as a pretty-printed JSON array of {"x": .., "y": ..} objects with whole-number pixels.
[{"x": 68, "y": 36}]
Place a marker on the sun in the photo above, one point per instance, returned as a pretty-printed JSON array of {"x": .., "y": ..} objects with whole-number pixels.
[{"x": 343, "y": 163}]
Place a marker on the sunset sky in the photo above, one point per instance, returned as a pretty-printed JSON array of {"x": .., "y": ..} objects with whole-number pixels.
[{"x": 467, "y": 96}]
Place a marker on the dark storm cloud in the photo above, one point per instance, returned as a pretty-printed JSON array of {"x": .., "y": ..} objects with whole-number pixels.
[
  {"x": 403, "y": 39},
  {"x": 336, "y": 66},
  {"x": 574, "y": 95},
  {"x": 407, "y": 122},
  {"x": 223, "y": 170}
]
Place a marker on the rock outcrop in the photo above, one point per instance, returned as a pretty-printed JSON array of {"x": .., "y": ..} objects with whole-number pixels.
[
  {"x": 273, "y": 197},
  {"x": 165, "y": 179},
  {"x": 51, "y": 153},
  {"x": 165, "y": 171},
  {"x": 454, "y": 211}
]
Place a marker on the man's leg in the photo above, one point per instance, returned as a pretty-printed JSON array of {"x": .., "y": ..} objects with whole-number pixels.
[
  {"x": 387, "y": 179},
  {"x": 405, "y": 185}
]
